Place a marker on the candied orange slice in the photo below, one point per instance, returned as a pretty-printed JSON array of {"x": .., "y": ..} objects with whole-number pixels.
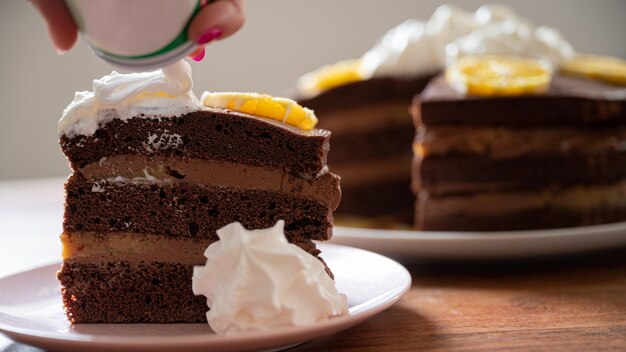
[
  {"x": 606, "y": 68},
  {"x": 499, "y": 75},
  {"x": 263, "y": 105},
  {"x": 330, "y": 76}
]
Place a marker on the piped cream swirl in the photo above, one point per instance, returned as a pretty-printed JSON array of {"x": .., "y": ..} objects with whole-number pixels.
[{"x": 256, "y": 280}]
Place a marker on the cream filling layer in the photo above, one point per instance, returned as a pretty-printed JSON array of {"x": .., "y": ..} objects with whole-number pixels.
[
  {"x": 129, "y": 168},
  {"x": 507, "y": 143},
  {"x": 99, "y": 247},
  {"x": 132, "y": 247},
  {"x": 576, "y": 198}
]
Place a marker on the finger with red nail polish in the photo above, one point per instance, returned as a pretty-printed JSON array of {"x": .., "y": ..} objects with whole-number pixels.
[
  {"x": 209, "y": 36},
  {"x": 217, "y": 20},
  {"x": 198, "y": 55}
]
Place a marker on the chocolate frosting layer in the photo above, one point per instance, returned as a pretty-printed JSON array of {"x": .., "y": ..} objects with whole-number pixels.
[
  {"x": 324, "y": 187},
  {"x": 569, "y": 100},
  {"x": 365, "y": 92}
]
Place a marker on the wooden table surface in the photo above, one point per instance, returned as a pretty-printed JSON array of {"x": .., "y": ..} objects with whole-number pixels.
[
  {"x": 565, "y": 304},
  {"x": 574, "y": 303}
]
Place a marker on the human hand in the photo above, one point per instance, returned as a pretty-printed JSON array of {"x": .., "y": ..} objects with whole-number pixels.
[{"x": 216, "y": 20}]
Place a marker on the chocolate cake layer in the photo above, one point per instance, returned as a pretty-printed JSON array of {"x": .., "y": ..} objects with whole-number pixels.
[
  {"x": 369, "y": 91},
  {"x": 568, "y": 101},
  {"x": 215, "y": 134},
  {"x": 389, "y": 198},
  {"x": 122, "y": 292},
  {"x": 527, "y": 172},
  {"x": 187, "y": 210},
  {"x": 374, "y": 145},
  {"x": 365, "y": 118},
  {"x": 506, "y": 143}
]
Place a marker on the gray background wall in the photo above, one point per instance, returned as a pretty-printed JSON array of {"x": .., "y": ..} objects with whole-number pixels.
[{"x": 281, "y": 40}]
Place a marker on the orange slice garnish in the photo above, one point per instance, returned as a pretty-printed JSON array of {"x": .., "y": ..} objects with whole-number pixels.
[
  {"x": 606, "y": 68},
  {"x": 499, "y": 75},
  {"x": 263, "y": 105},
  {"x": 330, "y": 76}
]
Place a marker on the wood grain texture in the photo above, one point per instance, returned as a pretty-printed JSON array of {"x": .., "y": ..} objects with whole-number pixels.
[{"x": 568, "y": 304}]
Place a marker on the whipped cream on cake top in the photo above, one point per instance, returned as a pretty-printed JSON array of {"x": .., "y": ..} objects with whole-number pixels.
[
  {"x": 257, "y": 280},
  {"x": 164, "y": 92},
  {"x": 515, "y": 39},
  {"x": 424, "y": 47}
]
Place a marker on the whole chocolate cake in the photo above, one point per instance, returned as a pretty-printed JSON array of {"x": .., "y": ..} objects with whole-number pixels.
[
  {"x": 155, "y": 175},
  {"x": 364, "y": 102},
  {"x": 525, "y": 161},
  {"x": 548, "y": 160}
]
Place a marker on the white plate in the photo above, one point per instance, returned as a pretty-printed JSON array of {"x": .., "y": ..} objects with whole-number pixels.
[
  {"x": 416, "y": 245},
  {"x": 31, "y": 312}
]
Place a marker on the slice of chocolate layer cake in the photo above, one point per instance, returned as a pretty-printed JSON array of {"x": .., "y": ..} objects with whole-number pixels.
[
  {"x": 548, "y": 160},
  {"x": 155, "y": 174}
]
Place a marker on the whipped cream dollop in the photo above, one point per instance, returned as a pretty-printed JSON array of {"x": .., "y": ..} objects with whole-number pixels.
[
  {"x": 164, "y": 92},
  {"x": 257, "y": 280},
  {"x": 424, "y": 47}
]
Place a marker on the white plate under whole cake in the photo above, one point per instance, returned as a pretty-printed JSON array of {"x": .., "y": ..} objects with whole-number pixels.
[{"x": 409, "y": 245}]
